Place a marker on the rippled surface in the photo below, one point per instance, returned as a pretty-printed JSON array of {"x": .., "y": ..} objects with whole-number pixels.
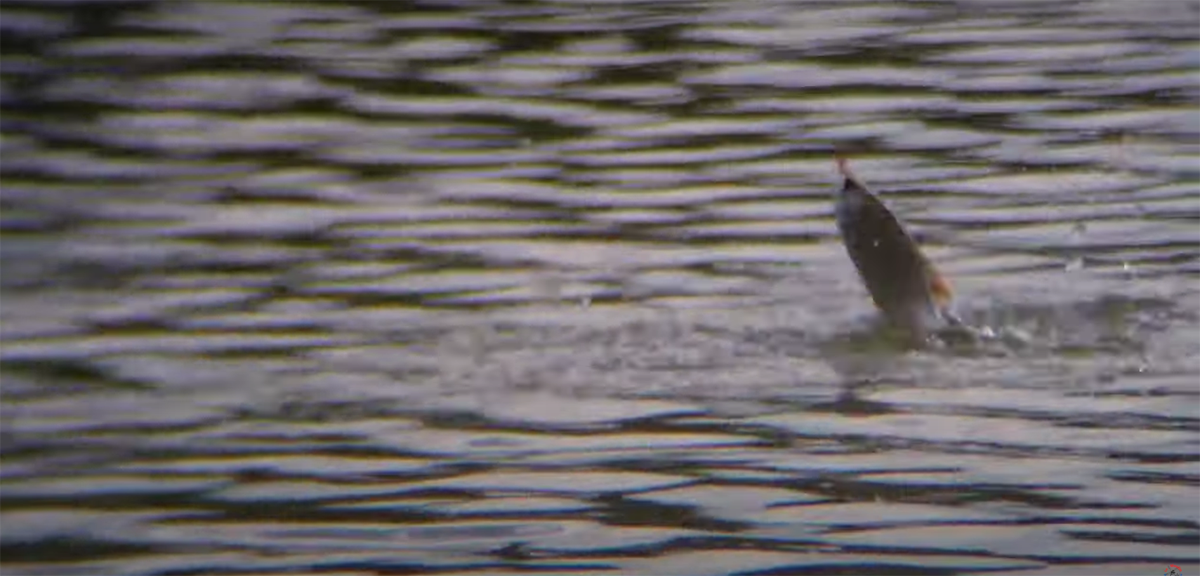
[{"x": 485, "y": 287}]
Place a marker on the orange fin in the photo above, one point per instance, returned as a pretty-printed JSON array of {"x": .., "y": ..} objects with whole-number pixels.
[{"x": 940, "y": 288}]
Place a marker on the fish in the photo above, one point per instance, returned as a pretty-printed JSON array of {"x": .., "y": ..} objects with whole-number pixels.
[{"x": 904, "y": 285}]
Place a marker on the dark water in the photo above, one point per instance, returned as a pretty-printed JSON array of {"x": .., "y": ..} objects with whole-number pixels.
[{"x": 511, "y": 287}]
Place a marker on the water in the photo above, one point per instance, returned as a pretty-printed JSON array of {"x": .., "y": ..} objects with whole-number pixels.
[{"x": 555, "y": 287}]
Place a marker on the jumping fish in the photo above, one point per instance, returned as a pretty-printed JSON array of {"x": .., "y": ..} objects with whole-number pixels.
[{"x": 902, "y": 282}]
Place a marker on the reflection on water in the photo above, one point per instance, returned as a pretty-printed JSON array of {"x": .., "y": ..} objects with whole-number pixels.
[{"x": 494, "y": 288}]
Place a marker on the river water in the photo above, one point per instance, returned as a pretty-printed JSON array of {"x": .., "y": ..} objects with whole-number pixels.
[{"x": 487, "y": 287}]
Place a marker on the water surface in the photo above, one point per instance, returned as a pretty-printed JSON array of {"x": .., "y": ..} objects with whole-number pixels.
[{"x": 555, "y": 287}]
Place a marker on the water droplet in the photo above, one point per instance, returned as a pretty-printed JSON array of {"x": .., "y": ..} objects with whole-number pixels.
[{"x": 1074, "y": 265}]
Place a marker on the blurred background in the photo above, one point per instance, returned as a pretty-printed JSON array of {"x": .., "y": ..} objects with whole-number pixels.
[{"x": 497, "y": 287}]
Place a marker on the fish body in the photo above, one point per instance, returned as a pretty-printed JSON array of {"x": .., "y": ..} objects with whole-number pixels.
[{"x": 902, "y": 282}]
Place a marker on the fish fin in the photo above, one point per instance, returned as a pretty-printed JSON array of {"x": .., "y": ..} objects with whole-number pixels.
[{"x": 940, "y": 288}]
